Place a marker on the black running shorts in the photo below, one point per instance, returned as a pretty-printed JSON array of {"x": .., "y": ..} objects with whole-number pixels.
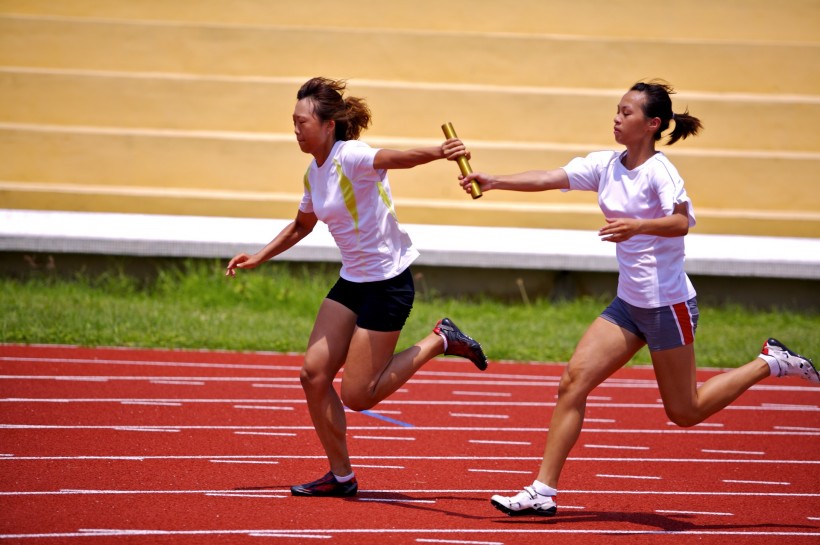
[{"x": 379, "y": 306}]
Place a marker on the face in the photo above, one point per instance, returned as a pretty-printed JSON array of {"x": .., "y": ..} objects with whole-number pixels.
[
  {"x": 312, "y": 134},
  {"x": 631, "y": 125}
]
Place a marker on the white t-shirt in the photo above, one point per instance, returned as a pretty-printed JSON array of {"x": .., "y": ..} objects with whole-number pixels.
[
  {"x": 354, "y": 201},
  {"x": 650, "y": 267}
]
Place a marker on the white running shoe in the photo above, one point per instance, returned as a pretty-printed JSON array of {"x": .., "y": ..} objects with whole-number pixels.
[
  {"x": 790, "y": 364},
  {"x": 526, "y": 502}
]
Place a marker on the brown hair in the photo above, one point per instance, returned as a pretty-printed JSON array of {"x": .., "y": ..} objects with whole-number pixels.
[
  {"x": 351, "y": 114},
  {"x": 659, "y": 104}
]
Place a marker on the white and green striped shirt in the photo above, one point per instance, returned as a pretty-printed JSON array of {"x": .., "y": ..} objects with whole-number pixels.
[{"x": 354, "y": 201}]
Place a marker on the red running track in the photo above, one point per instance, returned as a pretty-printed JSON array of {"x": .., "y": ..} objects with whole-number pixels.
[{"x": 102, "y": 446}]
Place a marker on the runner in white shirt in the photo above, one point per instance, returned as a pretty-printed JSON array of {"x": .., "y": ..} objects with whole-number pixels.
[
  {"x": 359, "y": 323},
  {"x": 647, "y": 214}
]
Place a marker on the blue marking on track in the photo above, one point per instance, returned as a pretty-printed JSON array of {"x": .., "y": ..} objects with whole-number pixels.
[{"x": 387, "y": 419}]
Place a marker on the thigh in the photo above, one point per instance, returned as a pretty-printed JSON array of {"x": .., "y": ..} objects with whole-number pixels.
[
  {"x": 675, "y": 373},
  {"x": 330, "y": 339},
  {"x": 603, "y": 349},
  {"x": 369, "y": 355}
]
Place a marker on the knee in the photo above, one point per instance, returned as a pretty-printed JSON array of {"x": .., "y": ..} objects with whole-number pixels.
[
  {"x": 682, "y": 417},
  {"x": 356, "y": 401},
  {"x": 313, "y": 378},
  {"x": 573, "y": 384}
]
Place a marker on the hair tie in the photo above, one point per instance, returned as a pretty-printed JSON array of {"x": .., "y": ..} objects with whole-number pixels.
[{"x": 673, "y": 116}]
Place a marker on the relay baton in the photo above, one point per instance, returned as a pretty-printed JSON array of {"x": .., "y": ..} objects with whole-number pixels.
[{"x": 463, "y": 164}]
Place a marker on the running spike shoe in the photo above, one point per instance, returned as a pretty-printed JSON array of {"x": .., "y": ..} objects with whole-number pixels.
[
  {"x": 326, "y": 486},
  {"x": 459, "y": 344},
  {"x": 527, "y": 502},
  {"x": 791, "y": 364}
]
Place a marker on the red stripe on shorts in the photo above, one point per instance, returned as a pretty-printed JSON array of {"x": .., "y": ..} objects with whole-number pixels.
[{"x": 684, "y": 319}]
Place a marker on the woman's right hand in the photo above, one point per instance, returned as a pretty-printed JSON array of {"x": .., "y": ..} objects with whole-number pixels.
[
  {"x": 484, "y": 181},
  {"x": 241, "y": 261}
]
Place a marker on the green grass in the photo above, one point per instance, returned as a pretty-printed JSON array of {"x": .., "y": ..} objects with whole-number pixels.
[{"x": 192, "y": 305}]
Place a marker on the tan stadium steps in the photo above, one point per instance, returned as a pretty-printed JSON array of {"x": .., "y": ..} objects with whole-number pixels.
[
  {"x": 184, "y": 108},
  {"x": 528, "y": 60},
  {"x": 179, "y": 101},
  {"x": 753, "y": 20}
]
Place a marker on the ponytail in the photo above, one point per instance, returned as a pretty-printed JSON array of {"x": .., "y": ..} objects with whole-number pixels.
[
  {"x": 685, "y": 125},
  {"x": 351, "y": 114},
  {"x": 659, "y": 104}
]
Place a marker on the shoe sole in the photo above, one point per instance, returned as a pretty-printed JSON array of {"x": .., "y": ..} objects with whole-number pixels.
[
  {"x": 348, "y": 494},
  {"x": 524, "y": 512}
]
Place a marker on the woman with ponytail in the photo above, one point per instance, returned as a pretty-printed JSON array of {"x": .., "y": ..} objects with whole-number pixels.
[
  {"x": 359, "y": 322},
  {"x": 647, "y": 214}
]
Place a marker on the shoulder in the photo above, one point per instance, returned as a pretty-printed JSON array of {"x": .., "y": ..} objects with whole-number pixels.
[{"x": 662, "y": 168}]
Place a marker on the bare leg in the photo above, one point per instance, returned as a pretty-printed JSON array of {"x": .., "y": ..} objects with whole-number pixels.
[
  {"x": 685, "y": 403},
  {"x": 326, "y": 352},
  {"x": 373, "y": 371},
  {"x": 604, "y": 348}
]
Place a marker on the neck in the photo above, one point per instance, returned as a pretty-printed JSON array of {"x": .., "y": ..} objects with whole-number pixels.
[
  {"x": 638, "y": 155},
  {"x": 322, "y": 154}
]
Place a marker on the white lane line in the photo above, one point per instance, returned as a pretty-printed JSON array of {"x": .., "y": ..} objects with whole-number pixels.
[
  {"x": 82, "y": 379},
  {"x": 384, "y": 438},
  {"x": 487, "y": 394},
  {"x": 757, "y": 482},
  {"x": 393, "y": 401},
  {"x": 469, "y": 415},
  {"x": 795, "y": 428},
  {"x": 243, "y": 461},
  {"x": 154, "y": 363},
  {"x": 71, "y": 492},
  {"x": 669, "y": 512},
  {"x": 286, "y": 535},
  {"x": 788, "y": 406},
  {"x": 500, "y": 471},
  {"x": 749, "y": 452},
  {"x": 263, "y": 407},
  {"x": 10, "y": 459},
  {"x": 396, "y": 500},
  {"x": 617, "y": 447},
  {"x": 380, "y": 411},
  {"x": 138, "y": 428},
  {"x": 270, "y": 433},
  {"x": 472, "y": 429},
  {"x": 512, "y": 443},
  {"x": 377, "y": 467},
  {"x": 261, "y": 532},
  {"x": 240, "y": 495},
  {"x": 458, "y": 541},
  {"x": 647, "y": 477},
  {"x": 154, "y": 403},
  {"x": 179, "y": 382},
  {"x": 600, "y": 420}
]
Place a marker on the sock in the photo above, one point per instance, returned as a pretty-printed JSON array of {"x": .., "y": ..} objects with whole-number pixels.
[
  {"x": 444, "y": 339},
  {"x": 345, "y": 478},
  {"x": 774, "y": 367},
  {"x": 544, "y": 490}
]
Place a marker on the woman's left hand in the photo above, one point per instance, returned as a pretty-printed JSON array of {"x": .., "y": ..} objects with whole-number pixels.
[{"x": 619, "y": 230}]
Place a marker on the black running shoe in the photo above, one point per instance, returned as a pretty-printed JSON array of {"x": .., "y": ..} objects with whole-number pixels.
[
  {"x": 459, "y": 344},
  {"x": 326, "y": 486}
]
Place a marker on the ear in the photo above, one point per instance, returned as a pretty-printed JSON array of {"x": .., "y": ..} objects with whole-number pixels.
[{"x": 654, "y": 124}]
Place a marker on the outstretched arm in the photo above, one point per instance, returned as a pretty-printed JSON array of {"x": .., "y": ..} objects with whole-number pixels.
[
  {"x": 387, "y": 159},
  {"x": 287, "y": 238},
  {"x": 532, "y": 180}
]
